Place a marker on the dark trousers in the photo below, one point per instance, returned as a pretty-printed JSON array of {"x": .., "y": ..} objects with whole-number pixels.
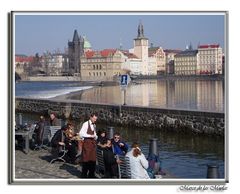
[
  {"x": 88, "y": 169},
  {"x": 111, "y": 171}
]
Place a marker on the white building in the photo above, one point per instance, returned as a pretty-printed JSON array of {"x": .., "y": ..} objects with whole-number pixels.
[
  {"x": 210, "y": 59},
  {"x": 131, "y": 63}
]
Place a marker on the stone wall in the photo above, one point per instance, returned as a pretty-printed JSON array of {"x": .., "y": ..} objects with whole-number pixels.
[{"x": 131, "y": 116}]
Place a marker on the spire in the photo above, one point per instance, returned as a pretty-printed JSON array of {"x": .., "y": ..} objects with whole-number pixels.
[
  {"x": 75, "y": 36},
  {"x": 140, "y": 30}
]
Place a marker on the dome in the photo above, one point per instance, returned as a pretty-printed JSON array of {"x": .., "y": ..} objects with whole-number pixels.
[{"x": 87, "y": 44}]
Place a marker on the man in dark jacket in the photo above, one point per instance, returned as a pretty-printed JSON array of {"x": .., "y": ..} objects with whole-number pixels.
[
  {"x": 110, "y": 161},
  {"x": 39, "y": 129},
  {"x": 120, "y": 147},
  {"x": 54, "y": 121}
]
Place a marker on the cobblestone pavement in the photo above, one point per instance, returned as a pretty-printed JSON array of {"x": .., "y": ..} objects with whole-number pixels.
[{"x": 36, "y": 165}]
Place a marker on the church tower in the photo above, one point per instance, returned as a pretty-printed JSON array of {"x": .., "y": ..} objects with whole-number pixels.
[
  {"x": 75, "y": 51},
  {"x": 141, "y": 48}
]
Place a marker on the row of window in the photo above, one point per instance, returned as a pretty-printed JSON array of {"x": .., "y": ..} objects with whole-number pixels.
[
  {"x": 101, "y": 73},
  {"x": 209, "y": 51},
  {"x": 185, "y": 59},
  {"x": 97, "y": 74}
]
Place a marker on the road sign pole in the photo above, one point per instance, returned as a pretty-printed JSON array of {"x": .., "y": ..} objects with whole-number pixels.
[{"x": 124, "y": 96}]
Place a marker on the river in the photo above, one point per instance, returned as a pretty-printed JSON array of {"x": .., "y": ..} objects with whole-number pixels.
[{"x": 184, "y": 156}]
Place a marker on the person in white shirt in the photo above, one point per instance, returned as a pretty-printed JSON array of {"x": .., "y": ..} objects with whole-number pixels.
[
  {"x": 89, "y": 136},
  {"x": 138, "y": 163}
]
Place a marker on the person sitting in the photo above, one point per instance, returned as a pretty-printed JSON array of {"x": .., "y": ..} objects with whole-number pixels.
[
  {"x": 102, "y": 138},
  {"x": 54, "y": 121},
  {"x": 110, "y": 161},
  {"x": 138, "y": 163},
  {"x": 119, "y": 147},
  {"x": 63, "y": 140}
]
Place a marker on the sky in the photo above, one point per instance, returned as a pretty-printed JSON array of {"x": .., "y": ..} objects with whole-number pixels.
[{"x": 41, "y": 32}]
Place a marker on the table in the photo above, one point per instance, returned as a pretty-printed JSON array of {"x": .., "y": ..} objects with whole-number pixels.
[{"x": 27, "y": 135}]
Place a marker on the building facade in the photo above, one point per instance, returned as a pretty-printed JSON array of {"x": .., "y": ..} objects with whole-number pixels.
[
  {"x": 157, "y": 64},
  {"x": 210, "y": 59},
  {"x": 186, "y": 62},
  {"x": 102, "y": 65},
  {"x": 169, "y": 57},
  {"x": 55, "y": 64}
]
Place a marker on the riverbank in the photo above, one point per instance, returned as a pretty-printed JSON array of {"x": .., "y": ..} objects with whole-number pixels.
[
  {"x": 179, "y": 77},
  {"x": 172, "y": 120}
]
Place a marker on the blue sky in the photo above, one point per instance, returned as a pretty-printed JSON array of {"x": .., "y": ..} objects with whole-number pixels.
[{"x": 39, "y": 33}]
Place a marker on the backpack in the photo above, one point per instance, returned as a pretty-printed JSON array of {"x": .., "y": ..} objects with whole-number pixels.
[{"x": 154, "y": 165}]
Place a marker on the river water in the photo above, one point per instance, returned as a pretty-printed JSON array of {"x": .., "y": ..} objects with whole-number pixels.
[{"x": 184, "y": 156}]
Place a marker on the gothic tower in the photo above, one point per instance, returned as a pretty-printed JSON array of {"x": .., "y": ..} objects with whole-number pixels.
[
  {"x": 141, "y": 48},
  {"x": 75, "y": 51}
]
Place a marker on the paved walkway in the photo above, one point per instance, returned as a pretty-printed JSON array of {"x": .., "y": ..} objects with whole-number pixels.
[{"x": 36, "y": 165}]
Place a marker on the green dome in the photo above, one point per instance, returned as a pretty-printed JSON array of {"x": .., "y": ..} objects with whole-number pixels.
[{"x": 87, "y": 44}]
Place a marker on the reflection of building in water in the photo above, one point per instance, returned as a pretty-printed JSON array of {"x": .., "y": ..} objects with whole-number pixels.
[
  {"x": 160, "y": 94},
  {"x": 108, "y": 95},
  {"x": 138, "y": 94},
  {"x": 170, "y": 93},
  {"x": 186, "y": 94},
  {"x": 210, "y": 95}
]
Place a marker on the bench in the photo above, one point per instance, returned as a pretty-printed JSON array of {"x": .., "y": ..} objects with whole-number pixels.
[
  {"x": 100, "y": 163},
  {"x": 48, "y": 133},
  {"x": 124, "y": 167}
]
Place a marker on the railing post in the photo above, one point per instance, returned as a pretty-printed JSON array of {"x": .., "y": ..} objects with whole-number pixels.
[
  {"x": 212, "y": 171},
  {"x": 153, "y": 147},
  {"x": 153, "y": 156},
  {"x": 110, "y": 132},
  {"x": 20, "y": 118}
]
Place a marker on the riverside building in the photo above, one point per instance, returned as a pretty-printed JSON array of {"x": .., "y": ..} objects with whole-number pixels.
[{"x": 210, "y": 59}]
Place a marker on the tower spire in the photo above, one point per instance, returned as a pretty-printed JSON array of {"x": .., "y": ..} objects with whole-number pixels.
[
  {"x": 75, "y": 36},
  {"x": 140, "y": 30}
]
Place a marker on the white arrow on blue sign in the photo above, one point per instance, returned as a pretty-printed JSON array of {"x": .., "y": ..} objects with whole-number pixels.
[{"x": 125, "y": 80}]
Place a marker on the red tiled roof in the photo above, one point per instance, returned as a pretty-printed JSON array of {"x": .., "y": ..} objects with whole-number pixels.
[
  {"x": 89, "y": 54},
  {"x": 23, "y": 58},
  {"x": 104, "y": 53},
  {"x": 209, "y": 46}
]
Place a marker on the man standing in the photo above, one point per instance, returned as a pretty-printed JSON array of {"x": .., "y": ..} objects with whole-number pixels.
[
  {"x": 88, "y": 134},
  {"x": 53, "y": 120}
]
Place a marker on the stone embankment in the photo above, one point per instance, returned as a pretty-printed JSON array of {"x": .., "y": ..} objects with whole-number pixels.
[{"x": 130, "y": 116}]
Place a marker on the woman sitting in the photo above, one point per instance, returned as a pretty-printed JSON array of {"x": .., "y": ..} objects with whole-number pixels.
[{"x": 138, "y": 163}]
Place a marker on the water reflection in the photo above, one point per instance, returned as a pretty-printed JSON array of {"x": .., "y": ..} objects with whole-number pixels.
[{"x": 183, "y": 94}]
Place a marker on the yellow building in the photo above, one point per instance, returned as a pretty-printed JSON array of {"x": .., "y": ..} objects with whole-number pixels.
[
  {"x": 102, "y": 65},
  {"x": 186, "y": 62}
]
